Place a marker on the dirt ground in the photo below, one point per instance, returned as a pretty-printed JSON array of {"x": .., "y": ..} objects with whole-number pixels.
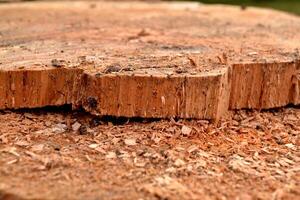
[{"x": 59, "y": 154}]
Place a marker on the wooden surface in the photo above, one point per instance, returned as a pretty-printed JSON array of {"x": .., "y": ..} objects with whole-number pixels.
[{"x": 147, "y": 59}]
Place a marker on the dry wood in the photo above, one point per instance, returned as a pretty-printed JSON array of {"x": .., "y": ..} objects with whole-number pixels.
[{"x": 147, "y": 60}]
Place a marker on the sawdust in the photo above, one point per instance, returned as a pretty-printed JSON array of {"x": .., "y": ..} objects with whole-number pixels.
[{"x": 249, "y": 155}]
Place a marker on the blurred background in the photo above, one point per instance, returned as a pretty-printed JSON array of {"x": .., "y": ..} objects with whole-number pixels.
[{"x": 292, "y": 6}]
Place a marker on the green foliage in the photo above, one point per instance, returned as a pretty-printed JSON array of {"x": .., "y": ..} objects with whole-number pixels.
[{"x": 292, "y": 6}]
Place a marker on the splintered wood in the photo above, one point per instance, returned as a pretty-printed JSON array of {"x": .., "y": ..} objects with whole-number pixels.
[{"x": 147, "y": 59}]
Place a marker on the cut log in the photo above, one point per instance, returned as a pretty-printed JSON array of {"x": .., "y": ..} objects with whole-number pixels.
[
  {"x": 145, "y": 95},
  {"x": 141, "y": 59},
  {"x": 37, "y": 88},
  {"x": 265, "y": 85}
]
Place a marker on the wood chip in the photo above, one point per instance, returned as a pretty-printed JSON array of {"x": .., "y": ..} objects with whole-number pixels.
[
  {"x": 179, "y": 163},
  {"x": 111, "y": 155},
  {"x": 186, "y": 131},
  {"x": 93, "y": 146},
  {"x": 76, "y": 126},
  {"x": 22, "y": 143},
  {"x": 130, "y": 142}
]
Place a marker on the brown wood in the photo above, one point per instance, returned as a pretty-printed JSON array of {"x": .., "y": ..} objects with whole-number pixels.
[{"x": 147, "y": 59}]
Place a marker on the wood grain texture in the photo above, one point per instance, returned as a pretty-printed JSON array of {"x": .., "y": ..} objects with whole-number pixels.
[
  {"x": 141, "y": 59},
  {"x": 194, "y": 96}
]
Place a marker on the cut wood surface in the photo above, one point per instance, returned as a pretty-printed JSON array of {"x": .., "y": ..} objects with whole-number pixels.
[{"x": 141, "y": 59}]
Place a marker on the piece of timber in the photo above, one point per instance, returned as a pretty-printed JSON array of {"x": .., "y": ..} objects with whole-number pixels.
[
  {"x": 202, "y": 95},
  {"x": 141, "y": 59},
  {"x": 37, "y": 88},
  {"x": 265, "y": 85}
]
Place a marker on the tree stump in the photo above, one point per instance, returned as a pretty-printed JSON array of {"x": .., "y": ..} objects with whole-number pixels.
[{"x": 152, "y": 60}]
